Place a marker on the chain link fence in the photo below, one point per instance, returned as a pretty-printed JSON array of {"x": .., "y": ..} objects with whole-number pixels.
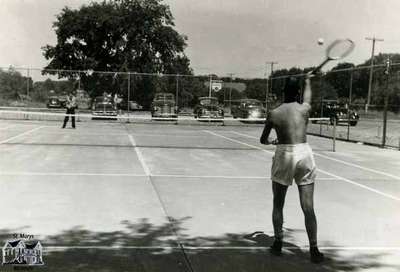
[{"x": 342, "y": 95}]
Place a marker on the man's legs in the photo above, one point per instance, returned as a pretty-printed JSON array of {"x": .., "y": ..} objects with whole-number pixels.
[
  {"x": 73, "y": 117},
  {"x": 306, "y": 193},
  {"x": 279, "y": 192},
  {"x": 66, "y": 118}
]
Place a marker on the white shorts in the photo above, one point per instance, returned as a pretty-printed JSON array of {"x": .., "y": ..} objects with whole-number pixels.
[{"x": 293, "y": 161}]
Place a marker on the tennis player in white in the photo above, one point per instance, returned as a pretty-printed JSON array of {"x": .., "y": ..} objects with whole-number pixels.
[{"x": 293, "y": 160}]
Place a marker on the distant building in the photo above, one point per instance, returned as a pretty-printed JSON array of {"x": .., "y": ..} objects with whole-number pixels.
[{"x": 20, "y": 252}]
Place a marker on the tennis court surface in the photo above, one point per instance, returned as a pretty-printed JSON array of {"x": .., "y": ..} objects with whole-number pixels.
[{"x": 164, "y": 197}]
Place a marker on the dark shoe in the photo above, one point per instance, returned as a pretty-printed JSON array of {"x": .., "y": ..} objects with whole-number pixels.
[
  {"x": 62, "y": 127},
  {"x": 276, "y": 248},
  {"x": 316, "y": 256}
]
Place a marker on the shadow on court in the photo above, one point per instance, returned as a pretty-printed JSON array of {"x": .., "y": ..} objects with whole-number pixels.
[{"x": 143, "y": 246}]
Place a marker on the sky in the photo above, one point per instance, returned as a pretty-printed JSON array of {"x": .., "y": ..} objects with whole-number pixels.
[{"x": 227, "y": 36}]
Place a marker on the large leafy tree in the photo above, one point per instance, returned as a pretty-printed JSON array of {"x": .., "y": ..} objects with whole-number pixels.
[{"x": 117, "y": 36}]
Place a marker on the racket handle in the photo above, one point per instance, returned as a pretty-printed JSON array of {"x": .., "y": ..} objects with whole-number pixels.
[{"x": 317, "y": 69}]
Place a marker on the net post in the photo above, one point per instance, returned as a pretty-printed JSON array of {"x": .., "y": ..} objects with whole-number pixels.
[
  {"x": 399, "y": 143},
  {"x": 334, "y": 137},
  {"x": 349, "y": 104},
  {"x": 176, "y": 98},
  {"x": 128, "y": 96}
]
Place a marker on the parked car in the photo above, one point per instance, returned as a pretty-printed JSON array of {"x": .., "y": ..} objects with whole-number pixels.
[
  {"x": 133, "y": 105},
  {"x": 248, "y": 109},
  {"x": 63, "y": 100},
  {"x": 54, "y": 102},
  {"x": 337, "y": 113},
  {"x": 163, "y": 106},
  {"x": 103, "y": 106},
  {"x": 208, "y": 107}
]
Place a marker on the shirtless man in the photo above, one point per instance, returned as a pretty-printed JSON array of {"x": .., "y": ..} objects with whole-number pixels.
[{"x": 293, "y": 160}]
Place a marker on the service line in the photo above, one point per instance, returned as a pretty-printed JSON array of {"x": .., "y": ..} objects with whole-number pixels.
[
  {"x": 20, "y": 135},
  {"x": 336, "y": 160},
  {"x": 323, "y": 171}
]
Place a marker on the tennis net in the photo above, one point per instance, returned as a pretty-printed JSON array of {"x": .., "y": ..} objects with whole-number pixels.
[{"x": 185, "y": 132}]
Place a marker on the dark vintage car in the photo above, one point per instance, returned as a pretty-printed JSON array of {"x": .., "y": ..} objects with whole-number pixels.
[
  {"x": 248, "y": 109},
  {"x": 337, "y": 113},
  {"x": 133, "y": 105},
  {"x": 103, "y": 106},
  {"x": 163, "y": 106},
  {"x": 208, "y": 107},
  {"x": 54, "y": 102}
]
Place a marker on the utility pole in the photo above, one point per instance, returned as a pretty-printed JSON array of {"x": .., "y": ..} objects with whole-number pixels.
[
  {"x": 177, "y": 93},
  {"x": 27, "y": 82},
  {"x": 209, "y": 90},
  {"x": 269, "y": 87},
  {"x": 230, "y": 90},
  {"x": 373, "y": 39}
]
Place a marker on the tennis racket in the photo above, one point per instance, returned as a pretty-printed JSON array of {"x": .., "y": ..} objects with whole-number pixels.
[{"x": 335, "y": 51}]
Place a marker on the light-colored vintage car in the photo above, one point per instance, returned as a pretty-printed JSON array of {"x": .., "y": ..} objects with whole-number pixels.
[
  {"x": 249, "y": 109},
  {"x": 103, "y": 106},
  {"x": 208, "y": 107},
  {"x": 163, "y": 106}
]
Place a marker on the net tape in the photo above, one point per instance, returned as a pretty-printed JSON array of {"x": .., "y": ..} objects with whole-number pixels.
[{"x": 41, "y": 116}]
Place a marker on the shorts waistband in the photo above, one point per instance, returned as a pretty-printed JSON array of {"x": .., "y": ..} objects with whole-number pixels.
[{"x": 292, "y": 147}]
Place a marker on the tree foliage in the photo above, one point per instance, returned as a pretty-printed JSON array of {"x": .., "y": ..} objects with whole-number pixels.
[
  {"x": 13, "y": 84},
  {"x": 117, "y": 36}
]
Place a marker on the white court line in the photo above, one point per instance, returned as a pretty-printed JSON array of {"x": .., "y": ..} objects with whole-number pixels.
[
  {"x": 325, "y": 172},
  {"x": 22, "y": 134},
  {"x": 360, "y": 185},
  {"x": 69, "y": 174},
  {"x": 72, "y": 132},
  {"x": 351, "y": 248},
  {"x": 140, "y": 156},
  {"x": 359, "y": 166},
  {"x": 209, "y": 176},
  {"x": 135, "y": 175},
  {"x": 77, "y": 133},
  {"x": 7, "y": 127},
  {"x": 166, "y": 135},
  {"x": 337, "y": 160}
]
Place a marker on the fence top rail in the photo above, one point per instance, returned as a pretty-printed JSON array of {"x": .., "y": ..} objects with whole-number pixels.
[{"x": 184, "y": 75}]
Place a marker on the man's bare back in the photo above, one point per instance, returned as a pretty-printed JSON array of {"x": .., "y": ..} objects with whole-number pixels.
[{"x": 290, "y": 122}]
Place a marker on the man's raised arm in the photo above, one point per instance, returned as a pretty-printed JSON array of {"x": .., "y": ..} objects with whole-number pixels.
[{"x": 307, "y": 90}]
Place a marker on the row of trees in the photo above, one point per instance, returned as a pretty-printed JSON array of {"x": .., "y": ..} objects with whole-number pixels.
[
  {"x": 335, "y": 84},
  {"x": 349, "y": 83}
]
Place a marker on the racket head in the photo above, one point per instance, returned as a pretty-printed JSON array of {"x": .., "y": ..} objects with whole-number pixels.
[{"x": 339, "y": 49}]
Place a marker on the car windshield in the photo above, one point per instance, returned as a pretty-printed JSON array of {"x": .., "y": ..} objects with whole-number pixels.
[
  {"x": 102, "y": 99},
  {"x": 208, "y": 101},
  {"x": 164, "y": 96},
  {"x": 252, "y": 104},
  {"x": 336, "y": 107}
]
